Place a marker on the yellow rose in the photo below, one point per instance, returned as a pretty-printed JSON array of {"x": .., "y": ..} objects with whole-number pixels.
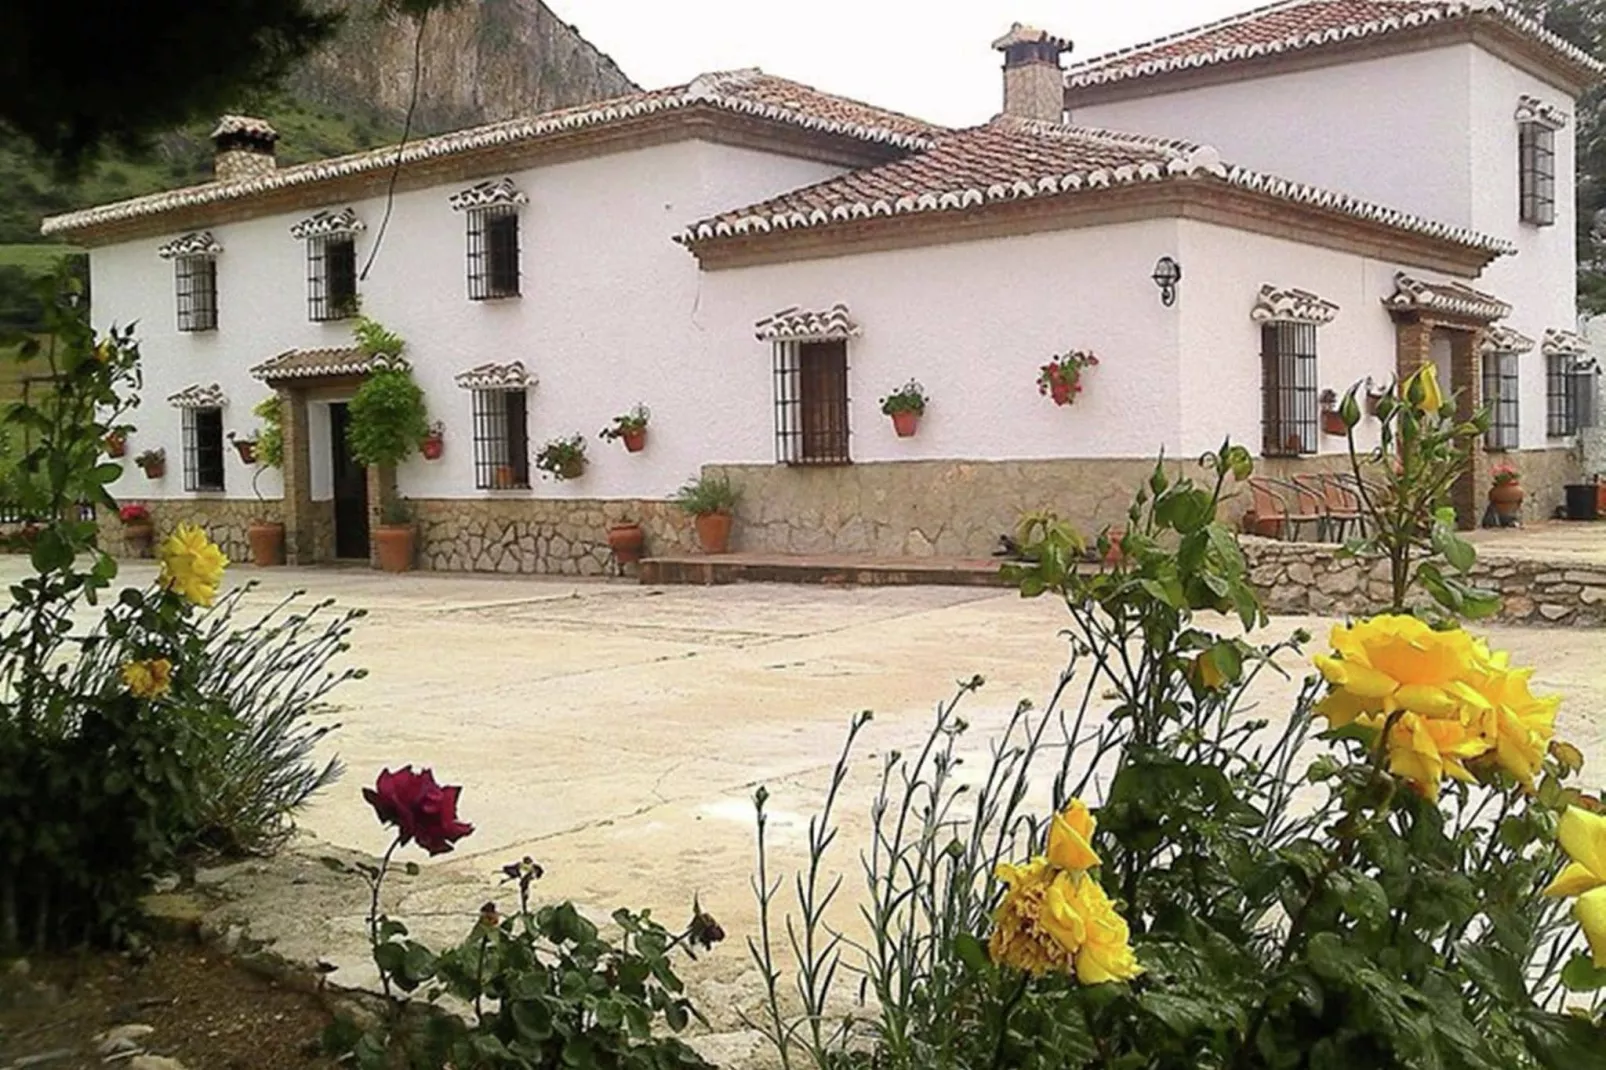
[
  {"x": 1422, "y": 389},
  {"x": 1019, "y": 939},
  {"x": 1583, "y": 837},
  {"x": 1397, "y": 662},
  {"x": 1105, "y": 953},
  {"x": 192, "y": 565},
  {"x": 1070, "y": 838},
  {"x": 1424, "y": 750},
  {"x": 1519, "y": 724},
  {"x": 148, "y": 679},
  {"x": 1061, "y": 915}
]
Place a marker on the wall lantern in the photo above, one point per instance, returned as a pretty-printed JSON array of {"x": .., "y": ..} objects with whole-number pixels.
[{"x": 1167, "y": 273}]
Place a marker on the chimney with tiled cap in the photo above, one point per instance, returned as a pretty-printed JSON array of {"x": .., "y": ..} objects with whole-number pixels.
[
  {"x": 243, "y": 148},
  {"x": 1034, "y": 85}
]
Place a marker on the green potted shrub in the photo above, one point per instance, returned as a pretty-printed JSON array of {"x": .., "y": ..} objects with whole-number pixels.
[
  {"x": 710, "y": 500},
  {"x": 267, "y": 536},
  {"x": 905, "y": 405},
  {"x": 563, "y": 458},
  {"x": 388, "y": 424}
]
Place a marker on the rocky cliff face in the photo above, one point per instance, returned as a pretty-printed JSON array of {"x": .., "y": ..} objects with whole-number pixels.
[{"x": 483, "y": 60}]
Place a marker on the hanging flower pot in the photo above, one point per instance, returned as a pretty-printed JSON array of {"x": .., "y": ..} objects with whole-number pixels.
[
  {"x": 434, "y": 443},
  {"x": 153, "y": 463},
  {"x": 626, "y": 541},
  {"x": 905, "y": 405},
  {"x": 247, "y": 448},
  {"x": 1061, "y": 378},
  {"x": 905, "y": 423},
  {"x": 629, "y": 428},
  {"x": 116, "y": 444},
  {"x": 1333, "y": 423},
  {"x": 563, "y": 458}
]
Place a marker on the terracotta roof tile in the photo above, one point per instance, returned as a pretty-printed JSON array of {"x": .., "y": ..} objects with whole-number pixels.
[
  {"x": 1012, "y": 159},
  {"x": 321, "y": 363},
  {"x": 745, "y": 92},
  {"x": 1294, "y": 25}
]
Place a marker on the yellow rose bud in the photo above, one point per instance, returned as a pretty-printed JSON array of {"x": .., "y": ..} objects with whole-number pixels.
[
  {"x": 1422, "y": 389},
  {"x": 1070, "y": 838}
]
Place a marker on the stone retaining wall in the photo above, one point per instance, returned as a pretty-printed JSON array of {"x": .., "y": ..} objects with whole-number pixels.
[
  {"x": 1315, "y": 578},
  {"x": 539, "y": 535},
  {"x": 224, "y": 519}
]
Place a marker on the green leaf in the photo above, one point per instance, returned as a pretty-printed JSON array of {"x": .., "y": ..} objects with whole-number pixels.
[
  {"x": 973, "y": 953},
  {"x": 1582, "y": 975}
]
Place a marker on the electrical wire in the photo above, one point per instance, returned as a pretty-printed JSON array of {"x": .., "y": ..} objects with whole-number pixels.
[{"x": 407, "y": 129}]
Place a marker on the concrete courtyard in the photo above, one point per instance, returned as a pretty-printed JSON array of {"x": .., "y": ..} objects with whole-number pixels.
[{"x": 616, "y": 733}]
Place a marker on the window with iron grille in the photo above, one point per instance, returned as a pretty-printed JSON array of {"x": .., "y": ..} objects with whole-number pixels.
[
  {"x": 1560, "y": 420},
  {"x": 1288, "y": 389},
  {"x": 203, "y": 449},
  {"x": 1585, "y": 392},
  {"x": 811, "y": 402},
  {"x": 1500, "y": 394},
  {"x": 331, "y": 277},
  {"x": 195, "y": 279},
  {"x": 493, "y": 252},
  {"x": 501, "y": 440},
  {"x": 1536, "y": 161}
]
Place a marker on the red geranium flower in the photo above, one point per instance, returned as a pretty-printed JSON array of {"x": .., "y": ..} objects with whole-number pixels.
[{"x": 420, "y": 809}]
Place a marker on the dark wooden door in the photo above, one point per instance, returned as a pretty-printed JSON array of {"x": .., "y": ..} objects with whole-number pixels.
[{"x": 351, "y": 490}]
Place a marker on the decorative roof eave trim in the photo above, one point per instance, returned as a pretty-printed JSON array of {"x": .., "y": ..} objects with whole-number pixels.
[
  {"x": 1563, "y": 343},
  {"x": 1501, "y": 339},
  {"x": 340, "y": 363},
  {"x": 511, "y": 376},
  {"x": 323, "y": 224},
  {"x": 199, "y": 243},
  {"x": 706, "y": 91},
  {"x": 801, "y": 325},
  {"x": 1108, "y": 69},
  {"x": 1533, "y": 110},
  {"x": 487, "y": 195},
  {"x": 1289, "y": 305},
  {"x": 1412, "y": 294},
  {"x": 1202, "y": 161},
  {"x": 197, "y": 396}
]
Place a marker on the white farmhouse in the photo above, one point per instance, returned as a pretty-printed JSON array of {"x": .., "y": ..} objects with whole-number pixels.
[{"x": 1240, "y": 221}]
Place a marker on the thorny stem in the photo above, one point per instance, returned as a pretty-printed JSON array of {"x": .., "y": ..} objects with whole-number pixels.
[{"x": 373, "y": 909}]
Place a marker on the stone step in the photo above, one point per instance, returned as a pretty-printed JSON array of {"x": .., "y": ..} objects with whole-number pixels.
[{"x": 843, "y": 570}]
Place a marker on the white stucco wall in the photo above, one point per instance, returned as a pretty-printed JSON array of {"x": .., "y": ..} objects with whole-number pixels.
[
  {"x": 607, "y": 318},
  {"x": 1224, "y": 270},
  {"x": 1392, "y": 129},
  {"x": 972, "y": 321}
]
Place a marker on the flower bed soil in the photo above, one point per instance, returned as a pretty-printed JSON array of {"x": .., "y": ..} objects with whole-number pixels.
[{"x": 206, "y": 1011}]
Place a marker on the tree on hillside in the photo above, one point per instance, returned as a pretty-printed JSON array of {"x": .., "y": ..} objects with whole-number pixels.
[
  {"x": 1583, "y": 23},
  {"x": 76, "y": 79}
]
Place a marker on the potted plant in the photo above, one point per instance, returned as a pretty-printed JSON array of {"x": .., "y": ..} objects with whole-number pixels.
[
  {"x": 563, "y": 458},
  {"x": 1061, "y": 377},
  {"x": 1332, "y": 419},
  {"x": 153, "y": 463},
  {"x": 905, "y": 405},
  {"x": 631, "y": 427},
  {"x": 116, "y": 443},
  {"x": 434, "y": 443},
  {"x": 710, "y": 500},
  {"x": 266, "y": 536},
  {"x": 388, "y": 424},
  {"x": 626, "y": 539},
  {"x": 138, "y": 531},
  {"x": 247, "y": 448},
  {"x": 393, "y": 538},
  {"x": 1506, "y": 494}
]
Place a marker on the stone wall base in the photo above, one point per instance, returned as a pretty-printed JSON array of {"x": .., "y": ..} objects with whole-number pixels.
[
  {"x": 1316, "y": 578},
  {"x": 567, "y": 537},
  {"x": 225, "y": 520}
]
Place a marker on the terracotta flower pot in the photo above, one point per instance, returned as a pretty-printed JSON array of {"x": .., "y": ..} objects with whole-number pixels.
[
  {"x": 432, "y": 448},
  {"x": 714, "y": 532},
  {"x": 905, "y": 423},
  {"x": 138, "y": 537},
  {"x": 1600, "y": 497},
  {"x": 247, "y": 448},
  {"x": 1333, "y": 423},
  {"x": 267, "y": 543},
  {"x": 116, "y": 444},
  {"x": 635, "y": 441},
  {"x": 394, "y": 546},
  {"x": 626, "y": 541},
  {"x": 1506, "y": 499},
  {"x": 155, "y": 469}
]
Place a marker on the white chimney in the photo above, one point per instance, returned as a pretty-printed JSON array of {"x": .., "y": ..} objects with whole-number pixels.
[
  {"x": 243, "y": 148},
  {"x": 1034, "y": 85}
]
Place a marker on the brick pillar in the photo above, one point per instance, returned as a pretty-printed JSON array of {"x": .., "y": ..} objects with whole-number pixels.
[
  {"x": 299, "y": 541},
  {"x": 1413, "y": 346},
  {"x": 1466, "y": 379}
]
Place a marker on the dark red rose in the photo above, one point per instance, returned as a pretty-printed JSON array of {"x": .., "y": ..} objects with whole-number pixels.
[
  {"x": 395, "y": 797},
  {"x": 438, "y": 827}
]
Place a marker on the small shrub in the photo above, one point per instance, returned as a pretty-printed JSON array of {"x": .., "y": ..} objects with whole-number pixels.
[
  {"x": 389, "y": 420},
  {"x": 563, "y": 458},
  {"x": 707, "y": 494}
]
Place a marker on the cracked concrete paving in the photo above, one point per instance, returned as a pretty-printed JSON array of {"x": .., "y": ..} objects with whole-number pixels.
[{"x": 617, "y": 733}]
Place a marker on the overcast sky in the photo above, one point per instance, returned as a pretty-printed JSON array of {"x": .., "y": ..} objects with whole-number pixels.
[{"x": 926, "y": 57}]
